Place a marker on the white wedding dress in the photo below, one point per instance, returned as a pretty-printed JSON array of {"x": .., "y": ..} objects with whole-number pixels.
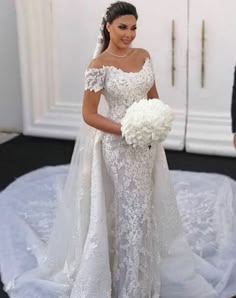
[{"x": 117, "y": 232}]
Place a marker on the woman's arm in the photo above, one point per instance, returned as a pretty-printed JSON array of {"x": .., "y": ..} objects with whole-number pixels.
[
  {"x": 152, "y": 93},
  {"x": 91, "y": 117}
]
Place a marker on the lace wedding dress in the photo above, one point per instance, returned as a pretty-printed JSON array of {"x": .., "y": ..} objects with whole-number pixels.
[{"x": 118, "y": 231}]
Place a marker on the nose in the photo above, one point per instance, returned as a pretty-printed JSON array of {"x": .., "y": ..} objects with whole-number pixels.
[{"x": 130, "y": 34}]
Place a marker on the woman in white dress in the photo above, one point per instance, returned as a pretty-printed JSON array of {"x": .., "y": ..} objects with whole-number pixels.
[
  {"x": 118, "y": 233},
  {"x": 142, "y": 240}
]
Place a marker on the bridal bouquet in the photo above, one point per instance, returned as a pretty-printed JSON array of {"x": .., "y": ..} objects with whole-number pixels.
[{"x": 146, "y": 121}]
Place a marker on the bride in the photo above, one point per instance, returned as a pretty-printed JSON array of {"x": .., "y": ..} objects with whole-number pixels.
[{"x": 117, "y": 232}]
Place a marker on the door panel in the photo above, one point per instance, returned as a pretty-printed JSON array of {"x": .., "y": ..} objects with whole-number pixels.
[
  {"x": 158, "y": 23},
  {"x": 57, "y": 40},
  {"x": 212, "y": 57}
]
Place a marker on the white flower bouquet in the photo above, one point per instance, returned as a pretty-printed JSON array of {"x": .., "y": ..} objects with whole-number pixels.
[{"x": 146, "y": 121}]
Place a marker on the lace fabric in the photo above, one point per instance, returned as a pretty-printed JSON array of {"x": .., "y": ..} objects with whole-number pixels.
[
  {"x": 91, "y": 83},
  {"x": 118, "y": 231},
  {"x": 207, "y": 207}
]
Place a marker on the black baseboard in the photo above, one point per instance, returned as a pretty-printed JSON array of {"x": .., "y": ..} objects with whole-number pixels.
[{"x": 24, "y": 154}]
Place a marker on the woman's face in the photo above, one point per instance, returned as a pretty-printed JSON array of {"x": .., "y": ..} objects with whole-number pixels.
[{"x": 122, "y": 31}]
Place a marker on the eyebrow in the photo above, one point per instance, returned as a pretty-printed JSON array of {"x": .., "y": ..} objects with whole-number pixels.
[{"x": 121, "y": 24}]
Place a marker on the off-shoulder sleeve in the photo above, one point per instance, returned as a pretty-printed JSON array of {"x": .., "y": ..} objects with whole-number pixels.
[{"x": 94, "y": 79}]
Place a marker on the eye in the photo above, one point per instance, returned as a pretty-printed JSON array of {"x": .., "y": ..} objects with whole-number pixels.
[
  {"x": 122, "y": 27},
  {"x": 134, "y": 28}
]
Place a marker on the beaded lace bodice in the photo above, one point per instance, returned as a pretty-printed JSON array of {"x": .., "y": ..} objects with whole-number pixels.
[{"x": 120, "y": 88}]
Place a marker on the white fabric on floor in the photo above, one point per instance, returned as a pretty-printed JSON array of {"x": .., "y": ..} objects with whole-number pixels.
[{"x": 207, "y": 204}]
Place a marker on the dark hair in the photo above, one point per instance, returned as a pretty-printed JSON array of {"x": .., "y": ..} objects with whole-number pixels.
[{"x": 115, "y": 10}]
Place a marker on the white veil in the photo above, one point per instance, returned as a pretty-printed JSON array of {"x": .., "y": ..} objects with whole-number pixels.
[
  {"x": 72, "y": 217},
  {"x": 60, "y": 258}
]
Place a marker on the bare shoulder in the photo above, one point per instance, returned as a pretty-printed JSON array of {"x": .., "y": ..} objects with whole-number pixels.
[
  {"x": 143, "y": 53},
  {"x": 100, "y": 61},
  {"x": 96, "y": 63}
]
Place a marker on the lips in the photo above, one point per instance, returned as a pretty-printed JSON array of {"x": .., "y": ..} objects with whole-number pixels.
[{"x": 126, "y": 42}]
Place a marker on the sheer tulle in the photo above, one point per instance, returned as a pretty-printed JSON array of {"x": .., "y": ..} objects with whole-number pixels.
[
  {"x": 149, "y": 256},
  {"x": 207, "y": 204}
]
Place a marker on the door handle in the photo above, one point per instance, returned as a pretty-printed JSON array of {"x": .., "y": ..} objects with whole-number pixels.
[
  {"x": 203, "y": 39},
  {"x": 173, "y": 39}
]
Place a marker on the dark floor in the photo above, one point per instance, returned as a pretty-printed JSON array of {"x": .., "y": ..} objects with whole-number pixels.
[{"x": 24, "y": 154}]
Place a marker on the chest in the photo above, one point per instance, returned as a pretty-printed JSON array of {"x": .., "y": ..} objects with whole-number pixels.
[{"x": 120, "y": 84}]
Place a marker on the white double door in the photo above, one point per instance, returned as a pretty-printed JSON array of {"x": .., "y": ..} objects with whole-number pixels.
[{"x": 192, "y": 44}]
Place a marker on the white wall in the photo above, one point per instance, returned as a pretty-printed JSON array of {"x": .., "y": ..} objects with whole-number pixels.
[
  {"x": 73, "y": 20},
  {"x": 57, "y": 38},
  {"x": 10, "y": 90}
]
